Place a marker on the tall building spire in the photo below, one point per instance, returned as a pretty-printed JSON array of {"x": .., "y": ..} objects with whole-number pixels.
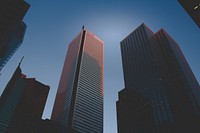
[{"x": 21, "y": 60}]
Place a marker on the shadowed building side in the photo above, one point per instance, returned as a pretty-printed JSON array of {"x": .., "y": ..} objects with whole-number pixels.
[
  {"x": 134, "y": 113},
  {"x": 155, "y": 68},
  {"x": 13, "y": 44},
  {"x": 180, "y": 85},
  {"x": 12, "y": 28}
]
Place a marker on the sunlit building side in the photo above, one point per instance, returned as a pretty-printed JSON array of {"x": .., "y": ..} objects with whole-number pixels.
[{"x": 79, "y": 99}]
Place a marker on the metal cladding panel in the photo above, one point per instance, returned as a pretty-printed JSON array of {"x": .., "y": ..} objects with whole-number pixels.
[
  {"x": 63, "y": 97},
  {"x": 88, "y": 112}
]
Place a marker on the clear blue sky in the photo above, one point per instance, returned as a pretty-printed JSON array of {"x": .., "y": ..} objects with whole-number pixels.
[{"x": 52, "y": 24}]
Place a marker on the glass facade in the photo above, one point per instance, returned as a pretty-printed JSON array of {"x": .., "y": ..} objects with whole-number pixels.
[
  {"x": 83, "y": 110},
  {"x": 12, "y": 28},
  {"x": 8, "y": 110},
  {"x": 23, "y": 99},
  {"x": 63, "y": 98},
  {"x": 13, "y": 44},
  {"x": 155, "y": 68}
]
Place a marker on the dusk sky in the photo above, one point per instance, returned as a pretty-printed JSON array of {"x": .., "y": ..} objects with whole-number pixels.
[{"x": 52, "y": 24}]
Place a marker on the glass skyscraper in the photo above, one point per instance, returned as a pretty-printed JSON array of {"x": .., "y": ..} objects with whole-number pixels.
[
  {"x": 12, "y": 28},
  {"x": 156, "y": 71},
  {"x": 22, "y": 101},
  {"x": 79, "y": 100}
]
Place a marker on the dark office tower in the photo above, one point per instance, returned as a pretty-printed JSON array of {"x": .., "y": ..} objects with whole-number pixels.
[
  {"x": 22, "y": 100},
  {"x": 12, "y": 28},
  {"x": 134, "y": 113},
  {"x": 157, "y": 73},
  {"x": 192, "y": 7},
  {"x": 79, "y": 100}
]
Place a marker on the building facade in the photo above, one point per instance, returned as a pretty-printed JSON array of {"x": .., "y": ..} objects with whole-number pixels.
[
  {"x": 156, "y": 69},
  {"x": 12, "y": 28},
  {"x": 134, "y": 113},
  {"x": 22, "y": 101},
  {"x": 44, "y": 126},
  {"x": 79, "y": 100},
  {"x": 192, "y": 7}
]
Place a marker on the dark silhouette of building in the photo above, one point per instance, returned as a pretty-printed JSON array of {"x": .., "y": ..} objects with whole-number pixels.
[
  {"x": 22, "y": 100},
  {"x": 192, "y": 7},
  {"x": 79, "y": 99},
  {"x": 156, "y": 70},
  {"x": 44, "y": 126},
  {"x": 12, "y": 28},
  {"x": 134, "y": 113}
]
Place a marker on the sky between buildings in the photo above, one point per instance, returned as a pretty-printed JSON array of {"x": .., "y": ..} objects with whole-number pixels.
[{"x": 52, "y": 24}]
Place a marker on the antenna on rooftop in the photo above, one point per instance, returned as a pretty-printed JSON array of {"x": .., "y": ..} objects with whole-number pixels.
[{"x": 21, "y": 61}]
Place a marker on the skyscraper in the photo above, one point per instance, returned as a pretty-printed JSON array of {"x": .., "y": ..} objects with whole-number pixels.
[
  {"x": 156, "y": 71},
  {"x": 79, "y": 100},
  {"x": 22, "y": 100},
  {"x": 12, "y": 28},
  {"x": 192, "y": 7},
  {"x": 134, "y": 113}
]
